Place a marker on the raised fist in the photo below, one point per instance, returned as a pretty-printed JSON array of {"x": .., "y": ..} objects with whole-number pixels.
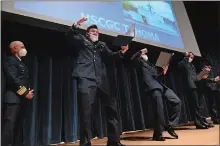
[
  {"x": 144, "y": 51},
  {"x": 81, "y": 20},
  {"x": 124, "y": 48},
  {"x": 186, "y": 53},
  {"x": 217, "y": 78}
]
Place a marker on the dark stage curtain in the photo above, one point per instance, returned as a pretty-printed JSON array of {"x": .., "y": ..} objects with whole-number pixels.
[{"x": 53, "y": 114}]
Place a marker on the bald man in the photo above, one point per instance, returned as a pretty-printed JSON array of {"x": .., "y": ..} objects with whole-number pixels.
[{"x": 17, "y": 94}]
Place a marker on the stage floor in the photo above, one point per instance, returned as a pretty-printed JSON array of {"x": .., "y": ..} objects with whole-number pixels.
[{"x": 188, "y": 135}]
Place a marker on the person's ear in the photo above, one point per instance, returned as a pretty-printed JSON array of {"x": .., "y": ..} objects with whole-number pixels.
[{"x": 13, "y": 49}]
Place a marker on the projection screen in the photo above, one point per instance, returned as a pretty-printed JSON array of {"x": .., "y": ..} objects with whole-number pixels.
[{"x": 160, "y": 23}]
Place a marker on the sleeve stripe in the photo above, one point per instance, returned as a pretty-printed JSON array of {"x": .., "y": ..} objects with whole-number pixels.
[{"x": 22, "y": 90}]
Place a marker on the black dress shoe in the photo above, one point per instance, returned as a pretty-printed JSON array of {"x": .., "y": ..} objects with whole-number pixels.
[
  {"x": 216, "y": 122},
  {"x": 159, "y": 138},
  {"x": 211, "y": 125},
  {"x": 200, "y": 126},
  {"x": 207, "y": 124},
  {"x": 114, "y": 144},
  {"x": 85, "y": 144},
  {"x": 171, "y": 131}
]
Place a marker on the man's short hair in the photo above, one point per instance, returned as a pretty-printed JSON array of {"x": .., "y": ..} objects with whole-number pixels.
[
  {"x": 92, "y": 26},
  {"x": 192, "y": 53}
]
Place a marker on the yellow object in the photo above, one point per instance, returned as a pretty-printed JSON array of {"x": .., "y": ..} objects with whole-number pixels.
[{"x": 22, "y": 90}]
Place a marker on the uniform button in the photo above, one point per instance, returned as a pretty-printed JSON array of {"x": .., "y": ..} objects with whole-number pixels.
[
  {"x": 94, "y": 60},
  {"x": 94, "y": 51}
]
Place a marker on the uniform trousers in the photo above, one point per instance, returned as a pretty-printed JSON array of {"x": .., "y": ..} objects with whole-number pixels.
[
  {"x": 197, "y": 105},
  {"x": 158, "y": 98},
  {"x": 214, "y": 103},
  {"x": 88, "y": 90},
  {"x": 12, "y": 124}
]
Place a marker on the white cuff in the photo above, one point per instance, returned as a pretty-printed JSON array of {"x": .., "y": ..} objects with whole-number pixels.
[{"x": 76, "y": 25}]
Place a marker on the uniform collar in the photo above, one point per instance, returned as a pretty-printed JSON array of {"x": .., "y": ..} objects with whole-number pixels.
[{"x": 18, "y": 58}]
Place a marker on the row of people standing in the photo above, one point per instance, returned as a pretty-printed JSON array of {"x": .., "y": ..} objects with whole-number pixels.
[
  {"x": 90, "y": 72},
  {"x": 198, "y": 88},
  {"x": 190, "y": 79}
]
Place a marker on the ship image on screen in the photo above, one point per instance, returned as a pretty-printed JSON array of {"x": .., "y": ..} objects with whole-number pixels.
[
  {"x": 156, "y": 14},
  {"x": 161, "y": 23},
  {"x": 155, "y": 21}
]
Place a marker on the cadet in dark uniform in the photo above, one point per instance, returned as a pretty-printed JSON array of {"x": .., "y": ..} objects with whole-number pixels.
[
  {"x": 212, "y": 91},
  {"x": 190, "y": 77},
  {"x": 157, "y": 91},
  {"x": 90, "y": 72},
  {"x": 16, "y": 95}
]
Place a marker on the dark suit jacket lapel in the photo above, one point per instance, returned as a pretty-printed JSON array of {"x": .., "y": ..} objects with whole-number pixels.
[{"x": 20, "y": 62}]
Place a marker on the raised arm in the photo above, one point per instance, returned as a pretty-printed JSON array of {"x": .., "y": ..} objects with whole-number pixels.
[
  {"x": 72, "y": 35},
  {"x": 118, "y": 54},
  {"x": 136, "y": 56}
]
